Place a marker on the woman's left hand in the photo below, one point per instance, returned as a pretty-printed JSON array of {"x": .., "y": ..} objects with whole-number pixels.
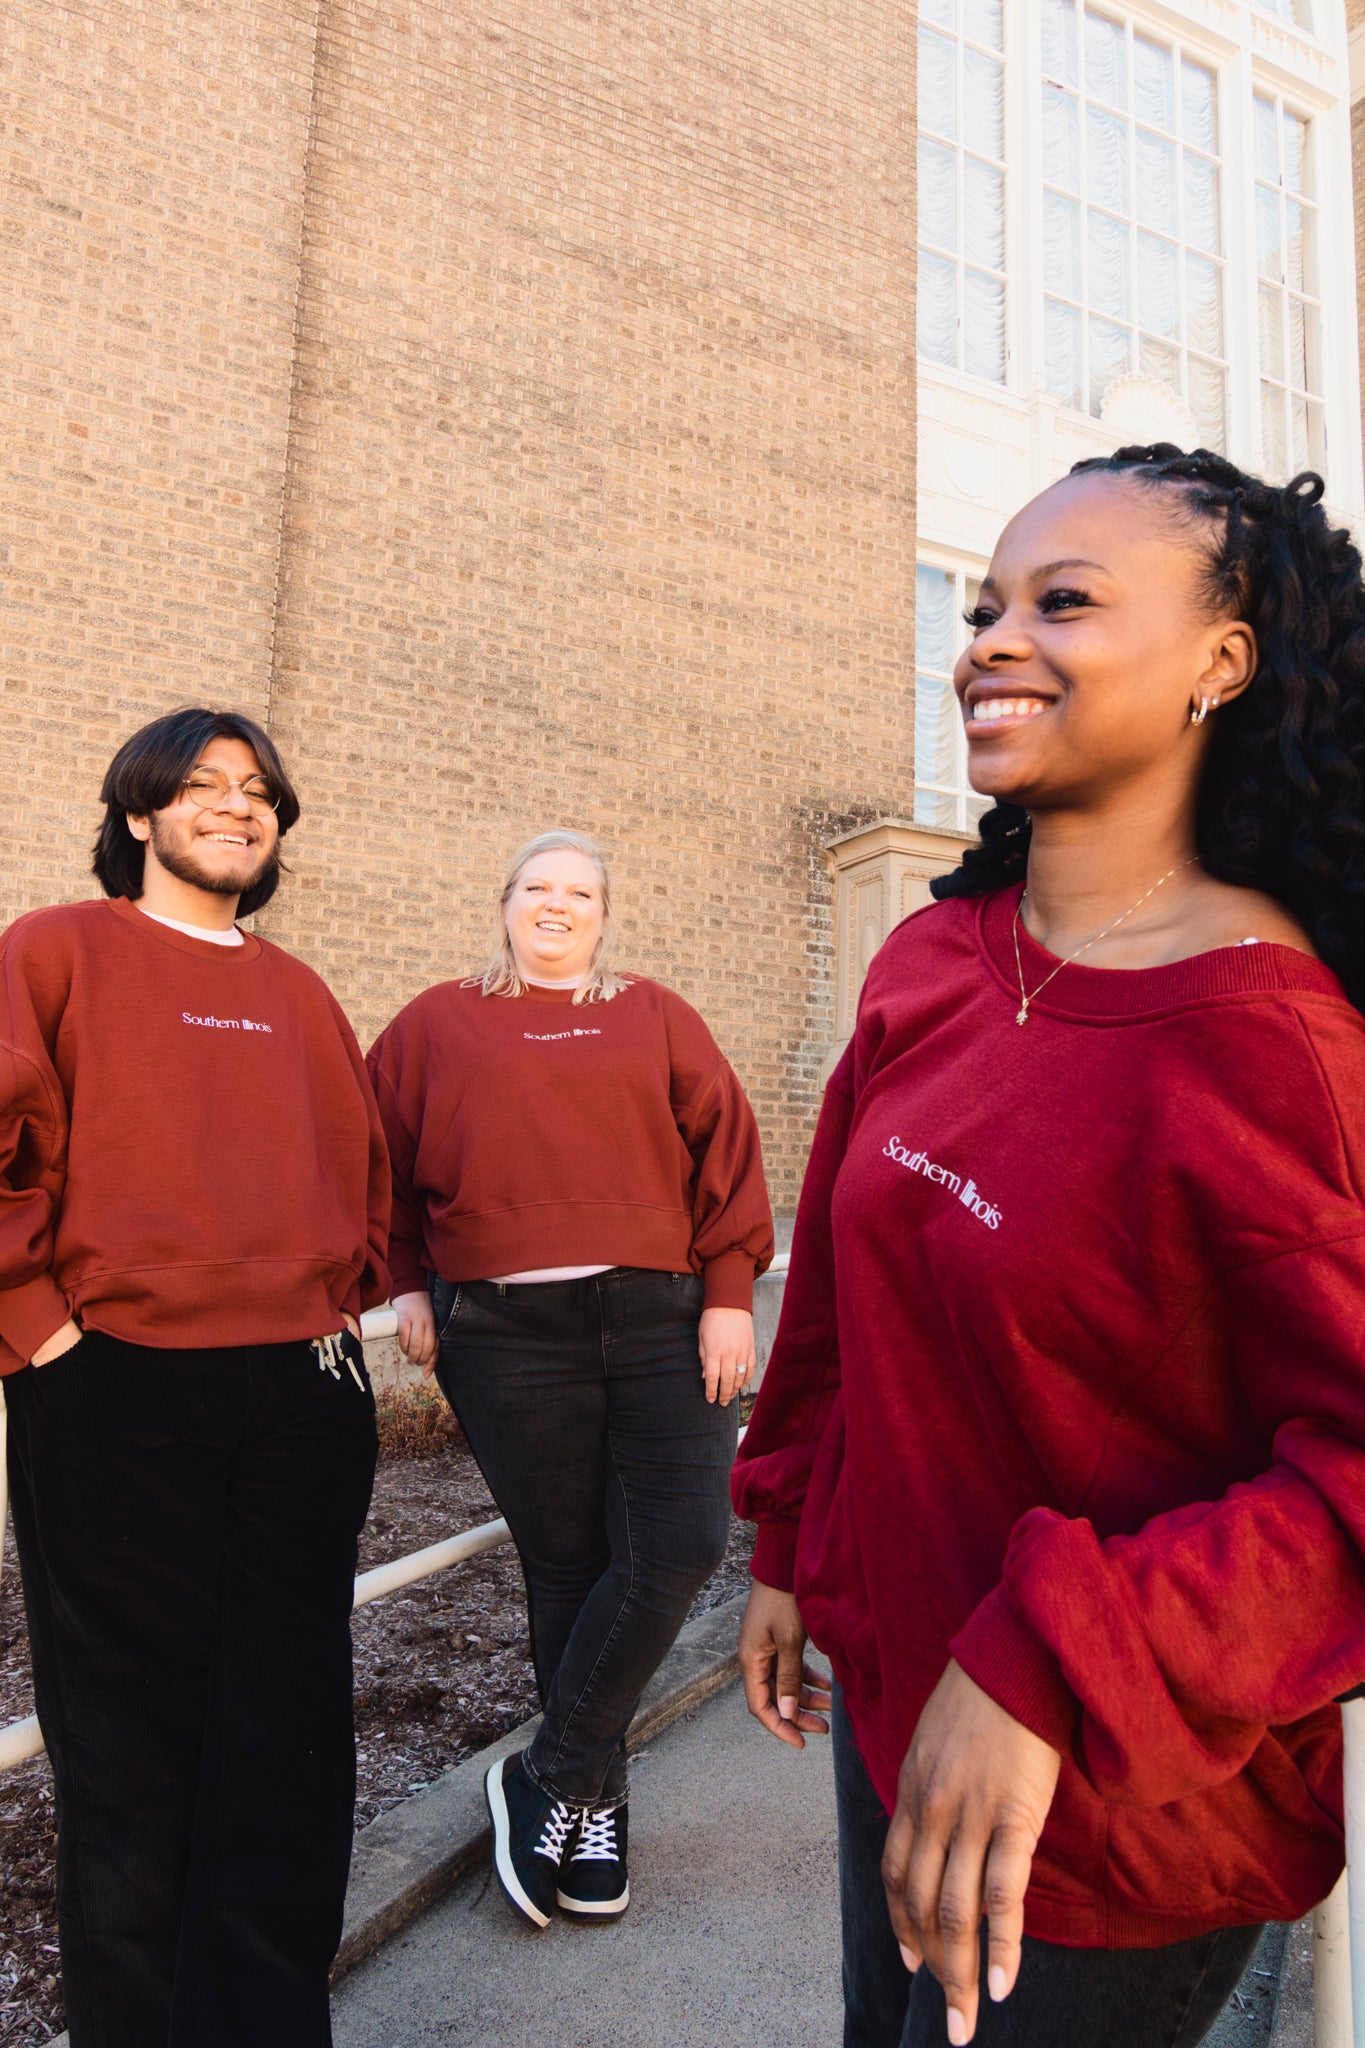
[
  {"x": 725, "y": 1340},
  {"x": 975, "y": 1790}
]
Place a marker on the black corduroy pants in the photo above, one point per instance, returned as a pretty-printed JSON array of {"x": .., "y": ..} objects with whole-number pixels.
[{"x": 186, "y": 1523}]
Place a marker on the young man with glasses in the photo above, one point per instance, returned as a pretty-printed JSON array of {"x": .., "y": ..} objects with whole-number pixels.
[{"x": 194, "y": 1202}]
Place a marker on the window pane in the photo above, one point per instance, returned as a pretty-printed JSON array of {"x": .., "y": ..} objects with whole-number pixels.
[
  {"x": 1158, "y": 287},
  {"x": 1264, "y": 140},
  {"x": 1270, "y": 304},
  {"x": 1199, "y": 107},
  {"x": 1156, "y": 187},
  {"x": 1203, "y": 305},
  {"x": 1208, "y": 401},
  {"x": 1106, "y": 142},
  {"x": 1156, "y": 360},
  {"x": 1273, "y": 450},
  {"x": 1110, "y": 349},
  {"x": 1061, "y": 139},
  {"x": 1062, "y": 352},
  {"x": 936, "y": 320},
  {"x": 935, "y": 601},
  {"x": 1305, "y": 367},
  {"x": 1059, "y": 40},
  {"x": 1107, "y": 242},
  {"x": 1294, "y": 139},
  {"x": 1061, "y": 245},
  {"x": 1106, "y": 59},
  {"x": 937, "y": 84},
  {"x": 1269, "y": 259},
  {"x": 932, "y": 806},
  {"x": 983, "y": 119},
  {"x": 981, "y": 20},
  {"x": 1201, "y": 203},
  {"x": 1298, "y": 433},
  {"x": 983, "y": 326},
  {"x": 1153, "y": 84},
  {"x": 937, "y": 722},
  {"x": 938, "y": 194},
  {"x": 944, "y": 12},
  {"x": 983, "y": 206},
  {"x": 1298, "y": 247}
]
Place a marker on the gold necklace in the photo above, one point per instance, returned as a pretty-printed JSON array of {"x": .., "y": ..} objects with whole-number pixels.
[{"x": 1028, "y": 996}]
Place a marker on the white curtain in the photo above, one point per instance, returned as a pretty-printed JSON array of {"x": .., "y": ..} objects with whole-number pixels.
[
  {"x": 1061, "y": 245},
  {"x": 982, "y": 22},
  {"x": 1208, "y": 400},
  {"x": 937, "y": 88},
  {"x": 1156, "y": 187},
  {"x": 1153, "y": 84},
  {"x": 983, "y": 91},
  {"x": 1201, "y": 202},
  {"x": 1107, "y": 247},
  {"x": 1199, "y": 107},
  {"x": 937, "y": 194},
  {"x": 1158, "y": 286},
  {"x": 936, "y": 310},
  {"x": 983, "y": 326},
  {"x": 1270, "y": 309},
  {"x": 1110, "y": 352},
  {"x": 1061, "y": 139},
  {"x": 1062, "y": 352},
  {"x": 983, "y": 207},
  {"x": 1106, "y": 146},
  {"x": 1059, "y": 41},
  {"x": 1269, "y": 257},
  {"x": 1203, "y": 305},
  {"x": 1106, "y": 59}
]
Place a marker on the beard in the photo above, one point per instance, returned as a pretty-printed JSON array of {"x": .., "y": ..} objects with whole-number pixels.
[{"x": 179, "y": 860}]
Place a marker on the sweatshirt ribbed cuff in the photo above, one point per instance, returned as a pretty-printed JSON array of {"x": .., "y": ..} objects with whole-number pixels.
[
  {"x": 30, "y": 1314},
  {"x": 729, "y": 1281},
  {"x": 1005, "y": 1658},
  {"x": 774, "y": 1560}
]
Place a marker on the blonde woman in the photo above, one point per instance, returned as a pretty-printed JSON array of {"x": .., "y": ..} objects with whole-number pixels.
[{"x": 579, "y": 1218}]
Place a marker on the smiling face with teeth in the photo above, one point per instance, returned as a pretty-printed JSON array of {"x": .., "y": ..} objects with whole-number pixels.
[
  {"x": 198, "y": 861},
  {"x": 1092, "y": 642},
  {"x": 555, "y": 916}
]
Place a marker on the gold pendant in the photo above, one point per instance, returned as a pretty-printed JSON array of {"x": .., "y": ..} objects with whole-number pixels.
[{"x": 1021, "y": 1016}]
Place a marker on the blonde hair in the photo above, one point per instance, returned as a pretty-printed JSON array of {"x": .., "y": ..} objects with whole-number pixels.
[{"x": 500, "y": 976}]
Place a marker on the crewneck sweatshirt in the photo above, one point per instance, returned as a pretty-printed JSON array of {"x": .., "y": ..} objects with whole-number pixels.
[
  {"x": 1069, "y": 1385},
  {"x": 190, "y": 1153},
  {"x": 532, "y": 1131}
]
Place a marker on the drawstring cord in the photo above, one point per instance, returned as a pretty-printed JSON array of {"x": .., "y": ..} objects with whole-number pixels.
[{"x": 331, "y": 1357}]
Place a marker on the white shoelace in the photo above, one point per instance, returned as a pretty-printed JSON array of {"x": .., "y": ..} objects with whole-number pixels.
[
  {"x": 558, "y": 1827},
  {"x": 331, "y": 1357},
  {"x": 597, "y": 1843}
]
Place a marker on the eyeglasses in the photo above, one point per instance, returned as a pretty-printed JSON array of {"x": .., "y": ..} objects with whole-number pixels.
[{"x": 209, "y": 791}]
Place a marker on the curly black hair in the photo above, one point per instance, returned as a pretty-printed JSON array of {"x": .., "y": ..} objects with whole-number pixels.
[{"x": 1280, "y": 803}]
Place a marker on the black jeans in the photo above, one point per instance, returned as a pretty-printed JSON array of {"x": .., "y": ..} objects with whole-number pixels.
[
  {"x": 186, "y": 1525},
  {"x": 1063, "y": 1998},
  {"x": 583, "y": 1402}
]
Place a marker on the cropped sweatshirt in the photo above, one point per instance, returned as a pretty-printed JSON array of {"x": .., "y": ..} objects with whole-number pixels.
[
  {"x": 1070, "y": 1386},
  {"x": 190, "y": 1153},
  {"x": 531, "y": 1131}
]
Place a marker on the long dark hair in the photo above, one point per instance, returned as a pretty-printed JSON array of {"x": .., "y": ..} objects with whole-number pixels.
[
  {"x": 1280, "y": 803},
  {"x": 148, "y": 772}
]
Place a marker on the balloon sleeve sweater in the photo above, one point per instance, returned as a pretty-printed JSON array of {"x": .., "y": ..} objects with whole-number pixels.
[
  {"x": 190, "y": 1153},
  {"x": 533, "y": 1131},
  {"x": 1070, "y": 1386}
]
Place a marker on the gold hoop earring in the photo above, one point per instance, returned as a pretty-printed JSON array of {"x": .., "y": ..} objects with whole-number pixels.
[{"x": 1198, "y": 717}]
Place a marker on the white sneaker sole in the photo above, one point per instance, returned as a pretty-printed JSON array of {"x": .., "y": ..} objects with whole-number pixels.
[
  {"x": 502, "y": 1847},
  {"x": 594, "y": 1909}
]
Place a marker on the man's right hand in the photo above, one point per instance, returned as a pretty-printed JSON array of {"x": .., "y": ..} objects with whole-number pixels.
[
  {"x": 417, "y": 1330},
  {"x": 65, "y": 1339},
  {"x": 782, "y": 1691}
]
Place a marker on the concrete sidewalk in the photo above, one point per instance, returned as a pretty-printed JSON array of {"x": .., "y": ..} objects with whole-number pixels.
[{"x": 732, "y": 1938}]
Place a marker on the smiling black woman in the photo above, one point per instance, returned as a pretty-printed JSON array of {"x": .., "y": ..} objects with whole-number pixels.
[{"x": 1076, "y": 1503}]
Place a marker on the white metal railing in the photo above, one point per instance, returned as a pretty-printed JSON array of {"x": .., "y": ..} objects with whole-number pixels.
[{"x": 23, "y": 1739}]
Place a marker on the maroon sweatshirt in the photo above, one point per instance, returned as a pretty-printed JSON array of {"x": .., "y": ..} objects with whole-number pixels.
[
  {"x": 189, "y": 1150},
  {"x": 1070, "y": 1386},
  {"x": 529, "y": 1131}
]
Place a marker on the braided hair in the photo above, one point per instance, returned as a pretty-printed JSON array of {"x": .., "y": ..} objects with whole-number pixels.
[{"x": 1282, "y": 798}]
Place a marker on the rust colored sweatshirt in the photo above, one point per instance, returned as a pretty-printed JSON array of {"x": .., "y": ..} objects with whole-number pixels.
[
  {"x": 190, "y": 1153},
  {"x": 1070, "y": 1385},
  {"x": 532, "y": 1131}
]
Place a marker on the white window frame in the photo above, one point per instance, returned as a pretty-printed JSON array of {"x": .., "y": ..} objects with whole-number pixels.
[{"x": 1009, "y": 180}]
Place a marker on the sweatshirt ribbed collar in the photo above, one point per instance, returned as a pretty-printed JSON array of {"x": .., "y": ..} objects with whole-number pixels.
[
  {"x": 198, "y": 949},
  {"x": 1085, "y": 994}
]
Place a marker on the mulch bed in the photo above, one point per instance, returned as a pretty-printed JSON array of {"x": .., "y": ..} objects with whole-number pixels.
[{"x": 441, "y": 1669}]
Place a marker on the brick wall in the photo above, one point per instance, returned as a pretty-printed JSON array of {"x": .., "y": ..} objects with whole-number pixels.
[
  {"x": 595, "y": 433},
  {"x": 153, "y": 163}
]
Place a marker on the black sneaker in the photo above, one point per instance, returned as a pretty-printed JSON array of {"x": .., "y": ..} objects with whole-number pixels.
[
  {"x": 594, "y": 1882},
  {"x": 530, "y": 1833}
]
